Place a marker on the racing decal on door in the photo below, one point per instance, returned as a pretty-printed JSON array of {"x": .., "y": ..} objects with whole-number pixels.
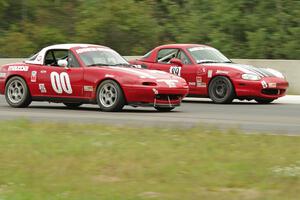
[
  {"x": 33, "y": 76},
  {"x": 175, "y": 70},
  {"x": 42, "y": 88},
  {"x": 61, "y": 82}
]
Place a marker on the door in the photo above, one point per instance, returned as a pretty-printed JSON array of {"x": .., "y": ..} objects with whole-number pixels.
[
  {"x": 61, "y": 81},
  {"x": 187, "y": 70}
]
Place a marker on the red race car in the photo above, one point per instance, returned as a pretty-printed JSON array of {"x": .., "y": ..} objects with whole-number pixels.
[
  {"x": 76, "y": 74},
  {"x": 210, "y": 74}
]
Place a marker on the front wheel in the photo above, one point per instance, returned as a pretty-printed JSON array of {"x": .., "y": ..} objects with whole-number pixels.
[
  {"x": 110, "y": 97},
  {"x": 264, "y": 101},
  {"x": 17, "y": 94},
  {"x": 221, "y": 90},
  {"x": 164, "y": 109}
]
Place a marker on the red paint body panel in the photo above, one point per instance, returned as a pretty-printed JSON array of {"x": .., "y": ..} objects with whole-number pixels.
[
  {"x": 130, "y": 79},
  {"x": 195, "y": 73}
]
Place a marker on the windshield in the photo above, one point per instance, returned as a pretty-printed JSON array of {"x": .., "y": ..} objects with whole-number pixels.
[
  {"x": 208, "y": 55},
  {"x": 101, "y": 57}
]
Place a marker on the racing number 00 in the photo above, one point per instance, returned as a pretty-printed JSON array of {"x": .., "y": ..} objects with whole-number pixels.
[{"x": 61, "y": 82}]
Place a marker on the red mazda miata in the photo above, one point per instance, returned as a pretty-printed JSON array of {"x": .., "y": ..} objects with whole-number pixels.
[
  {"x": 210, "y": 74},
  {"x": 76, "y": 74}
]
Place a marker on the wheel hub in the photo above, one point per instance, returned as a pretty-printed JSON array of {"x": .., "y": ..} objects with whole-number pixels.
[{"x": 108, "y": 95}]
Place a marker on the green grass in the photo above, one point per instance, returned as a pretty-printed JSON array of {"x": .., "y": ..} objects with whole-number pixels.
[{"x": 48, "y": 161}]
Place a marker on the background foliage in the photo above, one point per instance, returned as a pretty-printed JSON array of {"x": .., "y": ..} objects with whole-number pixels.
[{"x": 239, "y": 28}]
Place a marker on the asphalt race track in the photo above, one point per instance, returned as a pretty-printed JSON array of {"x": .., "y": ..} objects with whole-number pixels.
[{"x": 281, "y": 117}]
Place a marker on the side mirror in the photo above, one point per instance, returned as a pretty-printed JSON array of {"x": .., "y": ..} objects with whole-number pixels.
[
  {"x": 62, "y": 63},
  {"x": 176, "y": 61}
]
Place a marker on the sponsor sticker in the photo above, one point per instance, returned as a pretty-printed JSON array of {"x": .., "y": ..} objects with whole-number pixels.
[
  {"x": 192, "y": 83},
  {"x": 42, "y": 88},
  {"x": 88, "y": 88},
  {"x": 199, "y": 82},
  {"x": 199, "y": 48},
  {"x": 137, "y": 66},
  {"x": 264, "y": 84},
  {"x": 21, "y": 68},
  {"x": 39, "y": 58},
  {"x": 272, "y": 85},
  {"x": 83, "y": 50},
  {"x": 109, "y": 75},
  {"x": 221, "y": 72},
  {"x": 155, "y": 91},
  {"x": 33, "y": 76},
  {"x": 2, "y": 75},
  {"x": 209, "y": 73}
]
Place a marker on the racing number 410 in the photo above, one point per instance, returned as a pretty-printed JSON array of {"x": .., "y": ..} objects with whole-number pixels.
[{"x": 61, "y": 82}]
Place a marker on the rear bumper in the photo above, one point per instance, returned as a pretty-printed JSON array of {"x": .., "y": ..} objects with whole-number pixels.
[
  {"x": 267, "y": 88},
  {"x": 154, "y": 96}
]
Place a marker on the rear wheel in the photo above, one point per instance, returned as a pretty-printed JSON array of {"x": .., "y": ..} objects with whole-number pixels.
[
  {"x": 221, "y": 90},
  {"x": 110, "y": 96},
  {"x": 72, "y": 105},
  {"x": 264, "y": 101},
  {"x": 164, "y": 109},
  {"x": 17, "y": 94}
]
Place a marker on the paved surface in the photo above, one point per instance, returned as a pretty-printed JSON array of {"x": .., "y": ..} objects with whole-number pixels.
[{"x": 281, "y": 117}]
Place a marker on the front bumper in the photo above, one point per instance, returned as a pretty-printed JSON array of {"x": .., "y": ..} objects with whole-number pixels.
[
  {"x": 2, "y": 85},
  {"x": 154, "y": 96},
  {"x": 267, "y": 88}
]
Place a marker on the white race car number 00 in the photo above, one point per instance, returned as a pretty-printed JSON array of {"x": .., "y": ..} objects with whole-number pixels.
[
  {"x": 175, "y": 70},
  {"x": 61, "y": 82}
]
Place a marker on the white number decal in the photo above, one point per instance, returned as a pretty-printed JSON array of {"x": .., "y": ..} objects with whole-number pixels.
[
  {"x": 175, "y": 70},
  {"x": 61, "y": 82}
]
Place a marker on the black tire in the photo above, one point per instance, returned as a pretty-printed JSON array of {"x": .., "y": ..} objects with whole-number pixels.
[
  {"x": 264, "y": 101},
  {"x": 72, "y": 105},
  {"x": 17, "y": 94},
  {"x": 221, "y": 90},
  {"x": 164, "y": 109},
  {"x": 110, "y": 97}
]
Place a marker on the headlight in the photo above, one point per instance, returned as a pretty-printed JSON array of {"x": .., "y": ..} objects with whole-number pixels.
[{"x": 251, "y": 77}]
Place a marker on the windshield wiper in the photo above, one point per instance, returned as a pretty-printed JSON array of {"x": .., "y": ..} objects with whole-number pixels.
[
  {"x": 122, "y": 64},
  {"x": 99, "y": 64},
  {"x": 207, "y": 61}
]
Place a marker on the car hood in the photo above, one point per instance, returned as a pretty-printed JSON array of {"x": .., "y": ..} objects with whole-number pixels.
[
  {"x": 144, "y": 73},
  {"x": 262, "y": 72}
]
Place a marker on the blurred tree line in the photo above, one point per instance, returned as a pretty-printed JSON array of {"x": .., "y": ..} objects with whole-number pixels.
[{"x": 239, "y": 28}]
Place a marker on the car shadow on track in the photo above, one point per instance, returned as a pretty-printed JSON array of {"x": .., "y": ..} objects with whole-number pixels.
[
  {"x": 94, "y": 109},
  {"x": 233, "y": 103}
]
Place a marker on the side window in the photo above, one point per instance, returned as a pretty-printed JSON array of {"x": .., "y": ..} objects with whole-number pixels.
[
  {"x": 52, "y": 56},
  {"x": 72, "y": 61},
  {"x": 147, "y": 54},
  {"x": 183, "y": 57},
  {"x": 49, "y": 59},
  {"x": 165, "y": 55}
]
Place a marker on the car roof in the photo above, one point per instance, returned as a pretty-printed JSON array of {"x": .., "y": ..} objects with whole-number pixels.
[
  {"x": 72, "y": 45},
  {"x": 39, "y": 57},
  {"x": 153, "y": 52},
  {"x": 181, "y": 45}
]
